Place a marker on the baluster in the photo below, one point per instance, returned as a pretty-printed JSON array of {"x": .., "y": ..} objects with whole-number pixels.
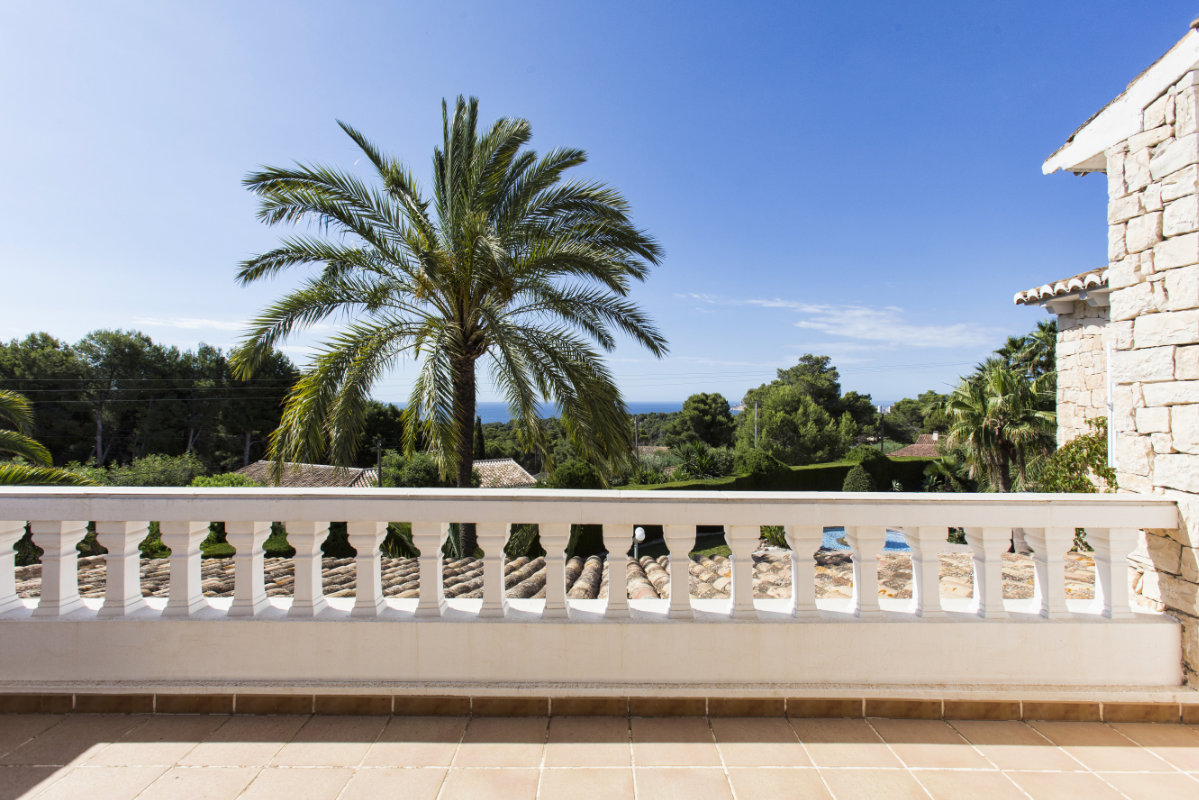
[
  {"x": 1049, "y": 558},
  {"x": 679, "y": 539},
  {"x": 186, "y": 596},
  {"x": 866, "y": 542},
  {"x": 492, "y": 538},
  {"x": 743, "y": 540},
  {"x": 989, "y": 544},
  {"x": 308, "y": 593},
  {"x": 122, "y": 566},
  {"x": 10, "y": 533},
  {"x": 429, "y": 538},
  {"x": 803, "y": 540},
  {"x": 365, "y": 537},
  {"x": 249, "y": 589},
  {"x": 1112, "y": 546},
  {"x": 60, "y": 566},
  {"x": 926, "y": 547},
  {"x": 618, "y": 574},
  {"x": 554, "y": 538}
]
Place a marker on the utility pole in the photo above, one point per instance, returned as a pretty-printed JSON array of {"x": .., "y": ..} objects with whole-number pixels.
[
  {"x": 636, "y": 432},
  {"x": 755, "y": 426},
  {"x": 882, "y": 435},
  {"x": 379, "y": 459}
]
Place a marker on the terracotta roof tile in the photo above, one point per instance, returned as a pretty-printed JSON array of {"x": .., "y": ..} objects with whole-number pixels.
[
  {"x": 311, "y": 475},
  {"x": 925, "y": 447},
  {"x": 1091, "y": 279},
  {"x": 502, "y": 473}
]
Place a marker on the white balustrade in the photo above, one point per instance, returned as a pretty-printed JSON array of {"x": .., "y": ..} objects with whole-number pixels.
[
  {"x": 679, "y": 539},
  {"x": 429, "y": 537},
  {"x": 866, "y": 541},
  {"x": 186, "y": 597},
  {"x": 122, "y": 566},
  {"x": 308, "y": 595},
  {"x": 10, "y": 534},
  {"x": 618, "y": 571},
  {"x": 554, "y": 539},
  {"x": 1048, "y": 521},
  {"x": 503, "y": 643},
  {"x": 743, "y": 541},
  {"x": 804, "y": 541},
  {"x": 365, "y": 538},
  {"x": 249, "y": 594}
]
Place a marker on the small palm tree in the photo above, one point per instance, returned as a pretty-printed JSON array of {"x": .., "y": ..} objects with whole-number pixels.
[
  {"x": 17, "y": 412},
  {"x": 507, "y": 263},
  {"x": 1003, "y": 420}
]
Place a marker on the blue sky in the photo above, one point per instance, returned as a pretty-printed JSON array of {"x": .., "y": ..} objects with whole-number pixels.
[{"x": 860, "y": 180}]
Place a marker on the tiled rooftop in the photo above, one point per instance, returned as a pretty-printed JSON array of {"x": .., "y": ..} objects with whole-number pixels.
[
  {"x": 310, "y": 475},
  {"x": 343, "y": 757}
]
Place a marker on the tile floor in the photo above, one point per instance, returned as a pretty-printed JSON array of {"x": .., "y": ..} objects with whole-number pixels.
[{"x": 339, "y": 758}]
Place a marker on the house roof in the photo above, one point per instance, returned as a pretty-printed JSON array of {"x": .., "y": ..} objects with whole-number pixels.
[
  {"x": 311, "y": 475},
  {"x": 1082, "y": 282},
  {"x": 1121, "y": 117},
  {"x": 925, "y": 447},
  {"x": 502, "y": 473}
]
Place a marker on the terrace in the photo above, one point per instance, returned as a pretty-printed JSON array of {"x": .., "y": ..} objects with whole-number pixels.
[{"x": 512, "y": 673}]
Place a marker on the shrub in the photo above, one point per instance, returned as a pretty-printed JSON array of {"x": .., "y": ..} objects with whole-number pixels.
[
  {"x": 698, "y": 460},
  {"x": 874, "y": 462},
  {"x": 156, "y": 470},
  {"x": 758, "y": 464},
  {"x": 575, "y": 474},
  {"x": 858, "y": 480},
  {"x": 223, "y": 480},
  {"x": 1079, "y": 464}
]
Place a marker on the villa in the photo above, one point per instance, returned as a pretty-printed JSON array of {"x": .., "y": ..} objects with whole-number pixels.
[{"x": 904, "y": 676}]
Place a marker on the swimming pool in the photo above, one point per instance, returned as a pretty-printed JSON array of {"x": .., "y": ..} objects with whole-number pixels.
[{"x": 895, "y": 540}]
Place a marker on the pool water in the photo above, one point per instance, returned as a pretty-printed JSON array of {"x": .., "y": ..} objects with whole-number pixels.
[{"x": 895, "y": 540}]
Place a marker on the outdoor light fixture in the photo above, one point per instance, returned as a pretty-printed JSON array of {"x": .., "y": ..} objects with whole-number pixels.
[{"x": 638, "y": 538}]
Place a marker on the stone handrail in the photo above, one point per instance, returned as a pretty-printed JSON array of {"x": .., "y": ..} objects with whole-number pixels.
[{"x": 58, "y": 518}]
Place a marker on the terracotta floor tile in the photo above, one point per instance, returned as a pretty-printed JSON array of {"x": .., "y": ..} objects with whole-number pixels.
[
  {"x": 418, "y": 783},
  {"x": 585, "y": 784},
  {"x": 249, "y": 741},
  {"x": 843, "y": 743},
  {"x": 1178, "y": 744},
  {"x": 322, "y": 783},
  {"x": 1099, "y": 746},
  {"x": 161, "y": 741},
  {"x": 22, "y": 781},
  {"x": 16, "y": 729},
  {"x": 859, "y": 784},
  {"x": 502, "y": 742},
  {"x": 972, "y": 784},
  {"x": 1014, "y": 745},
  {"x": 682, "y": 784},
  {"x": 102, "y": 783},
  {"x": 929, "y": 743},
  {"x": 588, "y": 742},
  {"x": 73, "y": 740},
  {"x": 492, "y": 784},
  {"x": 200, "y": 783},
  {"x": 1063, "y": 786},
  {"x": 758, "y": 742},
  {"x": 330, "y": 742},
  {"x": 1154, "y": 786},
  {"x": 772, "y": 783},
  {"x": 416, "y": 742},
  {"x": 673, "y": 742}
]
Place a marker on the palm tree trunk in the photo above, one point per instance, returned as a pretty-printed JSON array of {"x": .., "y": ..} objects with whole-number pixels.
[{"x": 464, "y": 417}]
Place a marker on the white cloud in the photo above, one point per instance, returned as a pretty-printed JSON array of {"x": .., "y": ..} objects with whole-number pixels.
[
  {"x": 884, "y": 327},
  {"x": 192, "y": 323}
]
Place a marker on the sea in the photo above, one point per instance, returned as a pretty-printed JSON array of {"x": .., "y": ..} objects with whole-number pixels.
[{"x": 498, "y": 412}]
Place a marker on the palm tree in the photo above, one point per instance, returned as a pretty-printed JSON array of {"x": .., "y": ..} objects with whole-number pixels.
[
  {"x": 506, "y": 262},
  {"x": 1003, "y": 420},
  {"x": 16, "y": 411}
]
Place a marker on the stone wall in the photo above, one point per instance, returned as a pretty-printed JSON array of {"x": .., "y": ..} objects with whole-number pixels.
[
  {"x": 1153, "y": 236},
  {"x": 1081, "y": 369}
]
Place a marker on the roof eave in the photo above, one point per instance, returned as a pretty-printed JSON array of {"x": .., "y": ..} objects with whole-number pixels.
[{"x": 1085, "y": 150}]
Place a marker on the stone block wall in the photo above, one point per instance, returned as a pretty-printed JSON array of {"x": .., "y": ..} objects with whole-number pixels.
[
  {"x": 1153, "y": 240},
  {"x": 1081, "y": 369}
]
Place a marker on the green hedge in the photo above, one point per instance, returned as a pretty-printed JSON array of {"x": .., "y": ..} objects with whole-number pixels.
[{"x": 811, "y": 478}]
